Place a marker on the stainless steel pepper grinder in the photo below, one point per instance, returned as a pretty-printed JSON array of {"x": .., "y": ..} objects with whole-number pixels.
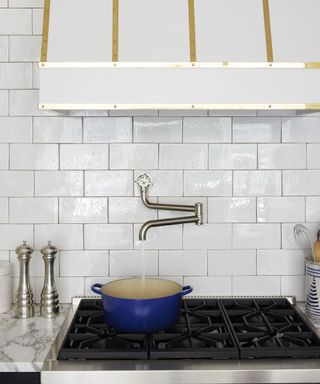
[
  {"x": 24, "y": 297},
  {"x": 49, "y": 301}
]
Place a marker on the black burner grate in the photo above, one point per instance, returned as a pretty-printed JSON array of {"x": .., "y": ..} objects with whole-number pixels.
[{"x": 206, "y": 329}]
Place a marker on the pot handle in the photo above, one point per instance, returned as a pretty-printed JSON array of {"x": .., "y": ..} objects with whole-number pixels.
[
  {"x": 186, "y": 289},
  {"x": 94, "y": 288}
]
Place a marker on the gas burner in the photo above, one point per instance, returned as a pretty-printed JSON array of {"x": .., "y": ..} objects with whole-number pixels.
[{"x": 206, "y": 329}]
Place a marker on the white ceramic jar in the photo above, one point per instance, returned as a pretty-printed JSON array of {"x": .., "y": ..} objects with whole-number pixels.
[{"x": 5, "y": 286}]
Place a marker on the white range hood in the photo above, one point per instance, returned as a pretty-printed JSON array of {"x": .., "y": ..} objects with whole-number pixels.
[{"x": 180, "y": 54}]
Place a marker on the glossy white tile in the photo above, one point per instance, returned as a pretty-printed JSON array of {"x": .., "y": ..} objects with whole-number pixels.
[
  {"x": 4, "y": 105},
  {"x": 280, "y": 209},
  {"x": 256, "y": 286},
  {"x": 207, "y": 130},
  {"x": 183, "y": 263},
  {"x": 232, "y": 262},
  {"x": 132, "y": 263},
  {"x": 11, "y": 235},
  {"x": 232, "y": 112},
  {"x": 256, "y": 129},
  {"x": 299, "y": 182},
  {"x": 257, "y": 183},
  {"x": 301, "y": 129},
  {"x": 280, "y": 262},
  {"x": 26, "y": 3},
  {"x": 4, "y": 156},
  {"x": 157, "y": 129},
  {"x": 164, "y": 183},
  {"x": 63, "y": 236},
  {"x": 58, "y": 183},
  {"x": 293, "y": 286},
  {"x": 213, "y": 286},
  {"x": 84, "y": 156},
  {"x": 231, "y": 209},
  {"x": 107, "y": 129},
  {"x": 288, "y": 241},
  {"x": 37, "y": 18},
  {"x": 129, "y": 210},
  {"x": 159, "y": 238},
  {"x": 183, "y": 156},
  {"x": 256, "y": 236},
  {"x": 133, "y": 156},
  {"x": 24, "y": 48},
  {"x": 57, "y": 130},
  {"x": 15, "y": 75},
  {"x": 15, "y": 21},
  {"x": 108, "y": 183},
  {"x": 83, "y": 210},
  {"x": 33, "y": 210},
  {"x": 108, "y": 236},
  {"x": 208, "y": 183},
  {"x": 15, "y": 129},
  {"x": 4, "y": 210},
  {"x": 233, "y": 156},
  {"x": 4, "y": 48},
  {"x": 162, "y": 214},
  {"x": 313, "y": 209},
  {"x": 207, "y": 236},
  {"x": 16, "y": 183},
  {"x": 282, "y": 156},
  {"x": 313, "y": 158},
  {"x": 84, "y": 263},
  {"x": 34, "y": 156},
  {"x": 25, "y": 102}
]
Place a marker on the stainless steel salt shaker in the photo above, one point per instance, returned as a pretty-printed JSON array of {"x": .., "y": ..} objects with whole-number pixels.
[
  {"x": 49, "y": 301},
  {"x": 24, "y": 296}
]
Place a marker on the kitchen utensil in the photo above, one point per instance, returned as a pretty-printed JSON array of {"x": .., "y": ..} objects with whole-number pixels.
[
  {"x": 312, "y": 285},
  {"x": 302, "y": 237},
  {"x": 49, "y": 301},
  {"x": 5, "y": 286},
  {"x": 141, "y": 305},
  {"x": 24, "y": 294},
  {"x": 316, "y": 248}
]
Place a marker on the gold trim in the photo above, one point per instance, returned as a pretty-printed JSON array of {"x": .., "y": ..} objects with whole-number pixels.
[
  {"x": 45, "y": 31},
  {"x": 219, "y": 64},
  {"x": 177, "y": 106},
  {"x": 115, "y": 30},
  {"x": 267, "y": 29},
  {"x": 192, "y": 31}
]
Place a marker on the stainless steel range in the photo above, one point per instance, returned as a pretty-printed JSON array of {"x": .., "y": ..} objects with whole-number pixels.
[{"x": 227, "y": 340}]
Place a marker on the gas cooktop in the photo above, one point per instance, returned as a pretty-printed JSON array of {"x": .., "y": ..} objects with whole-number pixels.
[{"x": 206, "y": 329}]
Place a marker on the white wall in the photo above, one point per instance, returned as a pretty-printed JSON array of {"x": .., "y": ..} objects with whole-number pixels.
[{"x": 71, "y": 180}]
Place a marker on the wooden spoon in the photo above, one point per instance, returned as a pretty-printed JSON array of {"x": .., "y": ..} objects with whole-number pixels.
[{"x": 316, "y": 248}]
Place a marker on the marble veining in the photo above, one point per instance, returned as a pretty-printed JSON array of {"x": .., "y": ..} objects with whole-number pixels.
[{"x": 24, "y": 343}]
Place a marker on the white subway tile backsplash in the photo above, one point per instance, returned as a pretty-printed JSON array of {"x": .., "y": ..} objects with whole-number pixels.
[
  {"x": 11, "y": 235},
  {"x": 129, "y": 210},
  {"x": 4, "y": 105},
  {"x": 164, "y": 183},
  {"x": 84, "y": 263},
  {"x": 183, "y": 112},
  {"x": 132, "y": 263},
  {"x": 25, "y": 103},
  {"x": 183, "y": 263},
  {"x": 107, "y": 129},
  {"x": 57, "y": 130},
  {"x": 162, "y": 214},
  {"x": 33, "y": 210},
  {"x": 313, "y": 158},
  {"x": 282, "y": 156},
  {"x": 256, "y": 129},
  {"x": 15, "y": 129},
  {"x": 215, "y": 286},
  {"x": 280, "y": 262},
  {"x": 108, "y": 236},
  {"x": 208, "y": 183},
  {"x": 256, "y": 286},
  {"x": 83, "y": 210},
  {"x": 4, "y": 156},
  {"x": 4, "y": 47},
  {"x": 208, "y": 236},
  {"x": 108, "y": 183},
  {"x": 183, "y": 156},
  {"x": 169, "y": 237},
  {"x": 34, "y": 156},
  {"x": 157, "y": 129},
  {"x": 37, "y": 18},
  {"x": 301, "y": 129},
  {"x": 231, "y": 209},
  {"x": 233, "y": 156},
  {"x": 24, "y": 48},
  {"x": 4, "y": 213},
  {"x": 58, "y": 183},
  {"x": 257, "y": 183},
  {"x": 231, "y": 262},
  {"x": 15, "y": 75},
  {"x": 4, "y": 255},
  {"x": 232, "y": 112},
  {"x": 26, "y": 3},
  {"x": 299, "y": 182},
  {"x": 84, "y": 156},
  {"x": 16, "y": 183},
  {"x": 15, "y": 21},
  {"x": 293, "y": 286},
  {"x": 288, "y": 241},
  {"x": 63, "y": 236},
  {"x": 3, "y": 3},
  {"x": 313, "y": 209},
  {"x": 132, "y": 156},
  {"x": 280, "y": 209},
  {"x": 256, "y": 236},
  {"x": 209, "y": 129}
]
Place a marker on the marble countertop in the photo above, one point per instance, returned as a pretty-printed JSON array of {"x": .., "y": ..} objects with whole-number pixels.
[{"x": 24, "y": 343}]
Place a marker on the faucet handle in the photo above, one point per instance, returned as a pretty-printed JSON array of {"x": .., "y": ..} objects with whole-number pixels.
[{"x": 143, "y": 180}]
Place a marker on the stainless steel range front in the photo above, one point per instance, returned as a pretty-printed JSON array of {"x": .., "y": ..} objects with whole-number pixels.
[{"x": 226, "y": 340}]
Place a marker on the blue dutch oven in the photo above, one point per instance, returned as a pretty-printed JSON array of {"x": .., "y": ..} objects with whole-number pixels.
[{"x": 141, "y": 305}]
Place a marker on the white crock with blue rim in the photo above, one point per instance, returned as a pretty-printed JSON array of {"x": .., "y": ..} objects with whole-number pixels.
[{"x": 312, "y": 286}]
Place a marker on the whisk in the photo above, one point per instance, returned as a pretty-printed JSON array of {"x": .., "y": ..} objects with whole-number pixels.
[{"x": 303, "y": 239}]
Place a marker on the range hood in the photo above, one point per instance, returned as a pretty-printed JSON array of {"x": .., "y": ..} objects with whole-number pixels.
[{"x": 180, "y": 54}]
